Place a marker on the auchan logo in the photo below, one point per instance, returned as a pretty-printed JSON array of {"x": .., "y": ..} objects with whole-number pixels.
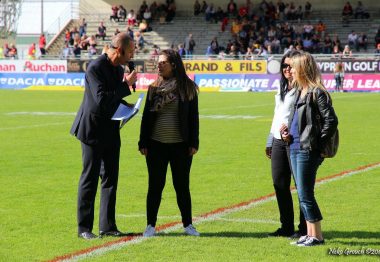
[{"x": 43, "y": 67}]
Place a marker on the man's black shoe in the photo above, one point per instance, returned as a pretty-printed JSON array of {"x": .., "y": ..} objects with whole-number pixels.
[
  {"x": 280, "y": 233},
  {"x": 297, "y": 235},
  {"x": 113, "y": 233},
  {"x": 87, "y": 235}
]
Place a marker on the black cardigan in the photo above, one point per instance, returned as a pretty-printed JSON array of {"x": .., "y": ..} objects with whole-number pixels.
[{"x": 188, "y": 118}]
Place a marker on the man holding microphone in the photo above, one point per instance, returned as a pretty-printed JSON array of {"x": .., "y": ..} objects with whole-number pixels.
[{"x": 105, "y": 86}]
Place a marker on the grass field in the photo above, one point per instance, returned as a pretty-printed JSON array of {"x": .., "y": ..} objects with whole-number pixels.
[{"x": 40, "y": 164}]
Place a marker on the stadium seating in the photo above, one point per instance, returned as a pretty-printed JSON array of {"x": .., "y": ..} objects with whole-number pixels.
[{"x": 166, "y": 35}]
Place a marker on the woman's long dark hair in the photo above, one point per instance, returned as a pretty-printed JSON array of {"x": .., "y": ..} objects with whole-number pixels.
[
  {"x": 186, "y": 86},
  {"x": 284, "y": 83}
]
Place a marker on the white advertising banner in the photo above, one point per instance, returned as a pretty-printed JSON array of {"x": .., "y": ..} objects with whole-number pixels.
[{"x": 33, "y": 66}]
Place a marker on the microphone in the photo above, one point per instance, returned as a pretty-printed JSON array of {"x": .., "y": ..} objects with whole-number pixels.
[{"x": 131, "y": 67}]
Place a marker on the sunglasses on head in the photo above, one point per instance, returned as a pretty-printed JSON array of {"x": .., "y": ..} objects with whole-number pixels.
[{"x": 285, "y": 66}]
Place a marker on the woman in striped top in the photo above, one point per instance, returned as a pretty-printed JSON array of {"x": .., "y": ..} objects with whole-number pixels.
[{"x": 170, "y": 134}]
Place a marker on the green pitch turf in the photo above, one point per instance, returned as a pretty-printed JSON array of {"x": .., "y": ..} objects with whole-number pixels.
[{"x": 40, "y": 164}]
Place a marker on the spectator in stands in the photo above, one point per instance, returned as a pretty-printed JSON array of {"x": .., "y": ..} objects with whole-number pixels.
[
  {"x": 42, "y": 44},
  {"x": 114, "y": 15},
  {"x": 101, "y": 31},
  {"x": 67, "y": 51},
  {"x": 83, "y": 27},
  {"x": 336, "y": 53},
  {"x": 209, "y": 14},
  {"x": 234, "y": 52},
  {"x": 155, "y": 52},
  {"x": 214, "y": 45},
  {"x": 315, "y": 44},
  {"x": 131, "y": 18},
  {"x": 298, "y": 29},
  {"x": 353, "y": 40},
  {"x": 347, "y": 51},
  {"x": 339, "y": 76},
  {"x": 153, "y": 9},
  {"x": 197, "y": 8},
  {"x": 32, "y": 51},
  {"x": 362, "y": 41},
  {"x": 224, "y": 24},
  {"x": 377, "y": 51},
  {"x": 189, "y": 46},
  {"x": 281, "y": 10},
  {"x": 307, "y": 44},
  {"x": 141, "y": 11},
  {"x": 68, "y": 38},
  {"x": 117, "y": 31},
  {"x": 122, "y": 13},
  {"x": 170, "y": 13},
  {"x": 361, "y": 11},
  {"x": 276, "y": 45},
  {"x": 144, "y": 26},
  {"x": 347, "y": 13},
  {"x": 320, "y": 29},
  {"x": 130, "y": 32},
  {"x": 203, "y": 7},
  {"x": 181, "y": 50},
  {"x": 377, "y": 38},
  {"x": 93, "y": 44},
  {"x": 292, "y": 12},
  {"x": 232, "y": 9},
  {"x": 147, "y": 16},
  {"x": 308, "y": 29},
  {"x": 327, "y": 45},
  {"x": 139, "y": 40},
  {"x": 308, "y": 10},
  {"x": 84, "y": 42},
  {"x": 77, "y": 50},
  {"x": 219, "y": 14},
  {"x": 12, "y": 51},
  {"x": 298, "y": 13}
]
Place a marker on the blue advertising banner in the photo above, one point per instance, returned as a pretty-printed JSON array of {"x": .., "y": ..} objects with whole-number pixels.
[
  {"x": 238, "y": 82},
  {"x": 25, "y": 80}
]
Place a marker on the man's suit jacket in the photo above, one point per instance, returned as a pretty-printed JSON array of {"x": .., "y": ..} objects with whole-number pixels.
[{"x": 103, "y": 93}]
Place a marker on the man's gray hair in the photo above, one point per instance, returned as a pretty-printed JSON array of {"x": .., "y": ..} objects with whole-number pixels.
[{"x": 122, "y": 40}]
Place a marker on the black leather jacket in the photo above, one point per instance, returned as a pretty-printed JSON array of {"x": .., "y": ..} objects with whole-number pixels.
[{"x": 317, "y": 120}]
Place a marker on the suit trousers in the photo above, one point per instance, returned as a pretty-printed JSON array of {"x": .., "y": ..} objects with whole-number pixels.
[
  {"x": 158, "y": 157},
  {"x": 98, "y": 161},
  {"x": 282, "y": 175}
]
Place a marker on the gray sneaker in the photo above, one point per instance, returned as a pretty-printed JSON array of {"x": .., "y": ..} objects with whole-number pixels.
[
  {"x": 311, "y": 241},
  {"x": 300, "y": 240},
  {"x": 149, "y": 231},
  {"x": 191, "y": 231}
]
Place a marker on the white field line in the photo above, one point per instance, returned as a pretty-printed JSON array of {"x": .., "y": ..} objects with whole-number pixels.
[
  {"x": 33, "y": 126},
  {"x": 229, "y": 116},
  {"x": 73, "y": 114},
  {"x": 41, "y": 113},
  {"x": 247, "y": 220},
  {"x": 143, "y": 215},
  {"x": 100, "y": 250}
]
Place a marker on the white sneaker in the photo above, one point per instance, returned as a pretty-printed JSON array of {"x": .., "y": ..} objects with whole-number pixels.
[
  {"x": 191, "y": 231},
  {"x": 149, "y": 231}
]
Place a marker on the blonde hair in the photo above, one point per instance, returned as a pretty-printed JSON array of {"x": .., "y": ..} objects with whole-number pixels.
[{"x": 308, "y": 73}]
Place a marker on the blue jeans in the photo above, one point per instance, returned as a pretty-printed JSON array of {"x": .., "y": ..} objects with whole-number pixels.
[{"x": 304, "y": 165}]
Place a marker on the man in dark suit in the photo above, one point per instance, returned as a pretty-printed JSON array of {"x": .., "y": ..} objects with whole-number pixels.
[{"x": 105, "y": 86}]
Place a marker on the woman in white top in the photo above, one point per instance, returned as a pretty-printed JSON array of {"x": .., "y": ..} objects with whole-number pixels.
[{"x": 278, "y": 151}]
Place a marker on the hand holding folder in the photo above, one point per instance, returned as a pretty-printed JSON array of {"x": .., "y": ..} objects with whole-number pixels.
[{"x": 125, "y": 113}]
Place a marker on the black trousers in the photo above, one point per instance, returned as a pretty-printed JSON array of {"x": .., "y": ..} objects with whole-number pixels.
[
  {"x": 94, "y": 159},
  {"x": 158, "y": 157},
  {"x": 282, "y": 175}
]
